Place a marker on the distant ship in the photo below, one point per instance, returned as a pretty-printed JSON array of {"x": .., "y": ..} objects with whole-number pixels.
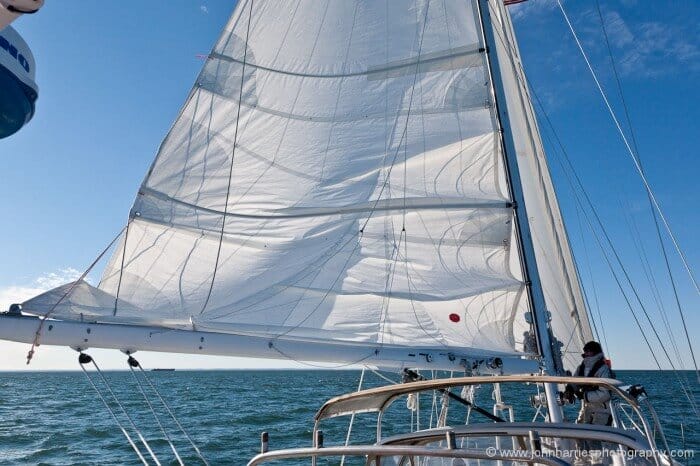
[{"x": 160, "y": 369}]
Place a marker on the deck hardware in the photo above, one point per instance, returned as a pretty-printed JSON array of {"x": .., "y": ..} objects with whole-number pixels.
[
  {"x": 264, "y": 442},
  {"x": 535, "y": 441},
  {"x": 451, "y": 440}
]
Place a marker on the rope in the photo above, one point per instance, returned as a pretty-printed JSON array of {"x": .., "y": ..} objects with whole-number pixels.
[
  {"x": 433, "y": 410},
  {"x": 352, "y": 417},
  {"x": 337, "y": 366},
  {"x": 131, "y": 422},
  {"x": 408, "y": 115},
  {"x": 365, "y": 223},
  {"x": 630, "y": 151},
  {"x": 442, "y": 417},
  {"x": 388, "y": 286},
  {"x": 172, "y": 416},
  {"x": 37, "y": 334},
  {"x": 131, "y": 362},
  {"x": 391, "y": 273},
  {"x": 233, "y": 155},
  {"x": 111, "y": 412},
  {"x": 121, "y": 268},
  {"x": 381, "y": 376}
]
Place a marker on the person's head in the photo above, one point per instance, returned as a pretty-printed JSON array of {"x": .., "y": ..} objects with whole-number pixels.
[{"x": 592, "y": 348}]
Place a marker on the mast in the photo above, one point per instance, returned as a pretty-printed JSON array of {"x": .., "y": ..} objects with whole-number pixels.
[{"x": 538, "y": 307}]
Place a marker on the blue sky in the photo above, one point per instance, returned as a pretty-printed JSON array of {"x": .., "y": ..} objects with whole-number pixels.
[{"x": 112, "y": 80}]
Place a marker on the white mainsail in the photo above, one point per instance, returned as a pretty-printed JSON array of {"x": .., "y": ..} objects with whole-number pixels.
[{"x": 337, "y": 175}]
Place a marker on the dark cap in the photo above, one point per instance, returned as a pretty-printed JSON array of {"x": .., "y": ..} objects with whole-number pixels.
[{"x": 592, "y": 347}]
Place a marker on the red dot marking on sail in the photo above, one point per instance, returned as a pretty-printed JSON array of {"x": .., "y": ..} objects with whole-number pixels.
[{"x": 454, "y": 318}]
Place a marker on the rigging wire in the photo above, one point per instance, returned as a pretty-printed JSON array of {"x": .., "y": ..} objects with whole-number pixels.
[
  {"x": 87, "y": 359},
  {"x": 579, "y": 183},
  {"x": 630, "y": 151},
  {"x": 370, "y": 214},
  {"x": 382, "y": 376},
  {"x": 635, "y": 154},
  {"x": 580, "y": 186},
  {"x": 634, "y": 233},
  {"x": 685, "y": 389},
  {"x": 583, "y": 289},
  {"x": 649, "y": 274},
  {"x": 121, "y": 267},
  {"x": 37, "y": 334},
  {"x": 131, "y": 362},
  {"x": 172, "y": 415},
  {"x": 433, "y": 406},
  {"x": 396, "y": 250},
  {"x": 111, "y": 412},
  {"x": 352, "y": 417},
  {"x": 590, "y": 274}
]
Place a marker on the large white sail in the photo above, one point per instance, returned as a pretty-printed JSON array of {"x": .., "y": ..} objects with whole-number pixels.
[
  {"x": 562, "y": 291},
  {"x": 337, "y": 174}
]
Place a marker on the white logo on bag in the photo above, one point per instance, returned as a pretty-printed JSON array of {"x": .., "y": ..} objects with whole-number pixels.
[{"x": 16, "y": 54}]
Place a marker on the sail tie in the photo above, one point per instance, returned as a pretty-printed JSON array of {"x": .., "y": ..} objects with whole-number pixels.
[
  {"x": 86, "y": 359},
  {"x": 168, "y": 410},
  {"x": 131, "y": 362}
]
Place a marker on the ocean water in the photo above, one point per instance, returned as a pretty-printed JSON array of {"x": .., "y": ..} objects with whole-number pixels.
[{"x": 56, "y": 418}]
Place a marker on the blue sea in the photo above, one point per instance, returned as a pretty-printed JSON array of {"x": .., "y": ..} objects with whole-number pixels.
[{"x": 56, "y": 418}]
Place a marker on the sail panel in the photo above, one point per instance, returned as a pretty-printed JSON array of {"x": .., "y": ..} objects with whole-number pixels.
[
  {"x": 307, "y": 163},
  {"x": 443, "y": 253},
  {"x": 333, "y": 135},
  {"x": 332, "y": 37}
]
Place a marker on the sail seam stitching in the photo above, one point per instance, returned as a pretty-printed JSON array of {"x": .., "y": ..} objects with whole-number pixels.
[
  {"x": 369, "y": 71},
  {"x": 326, "y": 211}
]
